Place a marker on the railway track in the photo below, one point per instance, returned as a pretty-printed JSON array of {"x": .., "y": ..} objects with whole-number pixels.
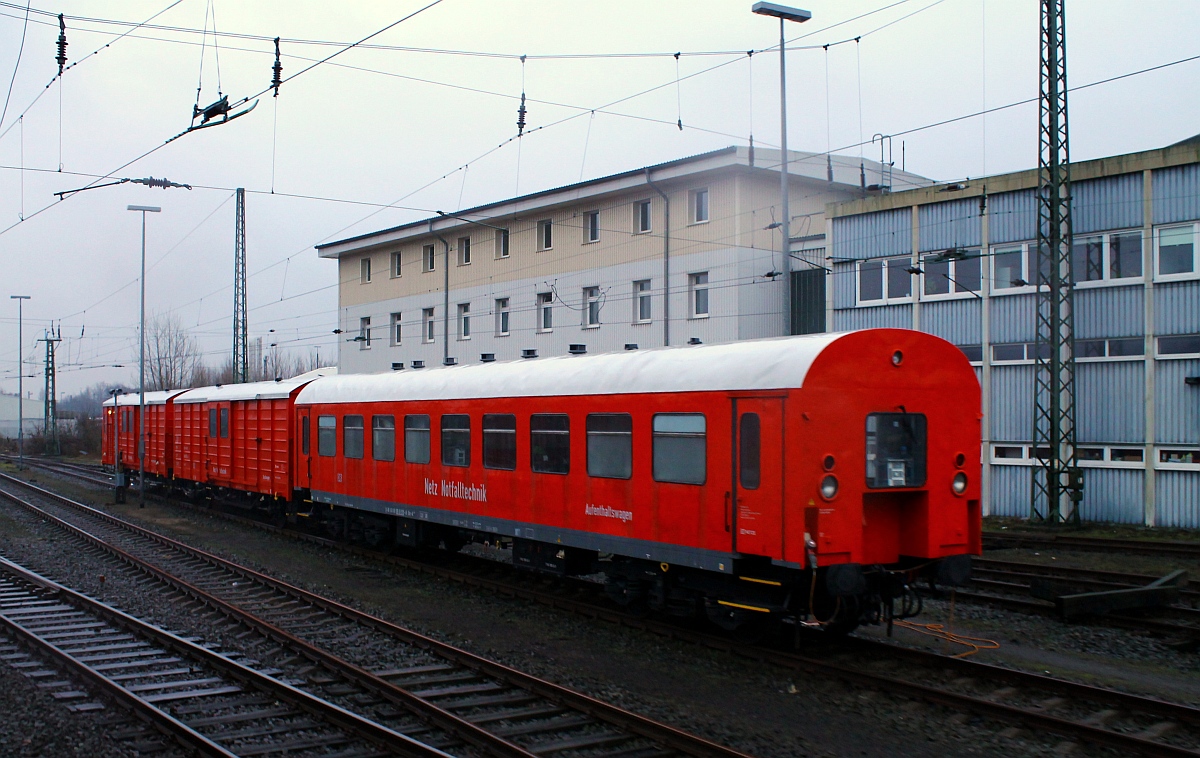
[
  {"x": 209, "y": 702},
  {"x": 1172, "y": 548},
  {"x": 1095, "y": 715},
  {"x": 455, "y": 700}
]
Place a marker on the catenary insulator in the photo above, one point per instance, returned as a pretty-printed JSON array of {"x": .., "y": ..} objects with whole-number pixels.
[
  {"x": 277, "y": 69},
  {"x": 62, "y": 44}
]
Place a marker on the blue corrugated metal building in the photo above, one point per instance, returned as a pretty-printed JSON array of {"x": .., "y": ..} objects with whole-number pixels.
[{"x": 1137, "y": 317}]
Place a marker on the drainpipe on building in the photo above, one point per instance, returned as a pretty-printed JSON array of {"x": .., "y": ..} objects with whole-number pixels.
[
  {"x": 445, "y": 293},
  {"x": 666, "y": 259}
]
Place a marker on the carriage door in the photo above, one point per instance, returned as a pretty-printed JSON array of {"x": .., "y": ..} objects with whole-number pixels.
[
  {"x": 304, "y": 463},
  {"x": 758, "y": 475}
]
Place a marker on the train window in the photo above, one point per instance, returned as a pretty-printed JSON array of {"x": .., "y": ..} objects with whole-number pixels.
[
  {"x": 383, "y": 438},
  {"x": 352, "y": 436},
  {"x": 679, "y": 448},
  {"x": 749, "y": 450},
  {"x": 416, "y": 439},
  {"x": 550, "y": 443},
  {"x": 456, "y": 439},
  {"x": 212, "y": 422},
  {"x": 895, "y": 450},
  {"x": 304, "y": 435},
  {"x": 224, "y": 423},
  {"x": 326, "y": 435},
  {"x": 500, "y": 441},
  {"x": 610, "y": 445}
]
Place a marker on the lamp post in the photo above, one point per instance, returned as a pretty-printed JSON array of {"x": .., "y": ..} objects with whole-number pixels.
[
  {"x": 784, "y": 13},
  {"x": 20, "y": 379},
  {"x": 143, "y": 209}
]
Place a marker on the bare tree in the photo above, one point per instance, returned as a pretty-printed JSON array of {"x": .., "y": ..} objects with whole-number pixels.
[{"x": 172, "y": 355}]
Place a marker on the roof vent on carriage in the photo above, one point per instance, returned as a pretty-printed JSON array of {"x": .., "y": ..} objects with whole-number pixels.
[
  {"x": 529, "y": 352},
  {"x": 418, "y": 364},
  {"x": 631, "y": 346},
  {"x": 397, "y": 366},
  {"x": 487, "y": 357},
  {"x": 577, "y": 349},
  {"x": 449, "y": 361}
]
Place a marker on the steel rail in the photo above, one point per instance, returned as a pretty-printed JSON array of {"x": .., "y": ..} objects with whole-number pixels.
[
  {"x": 636, "y": 724},
  {"x": 1107, "y": 544},
  {"x": 340, "y": 717}
]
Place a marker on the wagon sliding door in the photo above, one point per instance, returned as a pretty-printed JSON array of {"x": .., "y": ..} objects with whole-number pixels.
[{"x": 758, "y": 476}]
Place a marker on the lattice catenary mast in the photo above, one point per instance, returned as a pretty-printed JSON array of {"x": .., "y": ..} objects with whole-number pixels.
[
  {"x": 1057, "y": 487},
  {"x": 51, "y": 407},
  {"x": 241, "y": 369}
]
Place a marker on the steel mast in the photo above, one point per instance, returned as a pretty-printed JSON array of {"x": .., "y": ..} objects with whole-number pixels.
[{"x": 241, "y": 372}]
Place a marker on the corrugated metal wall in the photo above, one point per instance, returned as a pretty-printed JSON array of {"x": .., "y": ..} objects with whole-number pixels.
[
  {"x": 955, "y": 320},
  {"x": 1177, "y": 307},
  {"x": 1175, "y": 195},
  {"x": 1114, "y": 202},
  {"x": 1176, "y": 405},
  {"x": 1109, "y": 403},
  {"x": 1109, "y": 312},
  {"x": 1012, "y": 217},
  {"x": 1010, "y": 491},
  {"x": 953, "y": 224},
  {"x": 1113, "y": 494},
  {"x": 1013, "y": 319},
  {"x": 843, "y": 285},
  {"x": 1177, "y": 499},
  {"x": 893, "y": 316},
  {"x": 1012, "y": 403},
  {"x": 872, "y": 235}
]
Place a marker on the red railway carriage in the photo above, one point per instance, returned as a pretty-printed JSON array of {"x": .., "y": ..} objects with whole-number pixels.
[
  {"x": 238, "y": 436},
  {"x": 727, "y": 478},
  {"x": 122, "y": 419}
]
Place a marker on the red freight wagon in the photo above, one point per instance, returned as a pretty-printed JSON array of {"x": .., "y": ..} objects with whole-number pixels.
[
  {"x": 238, "y": 436},
  {"x": 159, "y": 431},
  {"x": 686, "y": 469}
]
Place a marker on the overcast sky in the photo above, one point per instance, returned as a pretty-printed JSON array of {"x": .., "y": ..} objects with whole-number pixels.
[{"x": 416, "y": 123}]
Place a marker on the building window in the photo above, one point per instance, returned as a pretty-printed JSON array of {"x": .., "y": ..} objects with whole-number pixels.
[
  {"x": 591, "y": 307},
  {"x": 456, "y": 440},
  {"x": 641, "y": 216},
  {"x": 545, "y": 235},
  {"x": 1176, "y": 251},
  {"x": 383, "y": 438},
  {"x": 428, "y": 258},
  {"x": 394, "y": 328},
  {"x": 502, "y": 316},
  {"x": 698, "y": 294},
  {"x": 974, "y": 353},
  {"x": 698, "y": 205},
  {"x": 960, "y": 275},
  {"x": 591, "y": 226},
  {"x": 364, "y": 333},
  {"x": 1124, "y": 347},
  {"x": 1103, "y": 257},
  {"x": 427, "y": 323},
  {"x": 464, "y": 251},
  {"x": 396, "y": 259},
  {"x": 364, "y": 270},
  {"x": 501, "y": 243},
  {"x": 679, "y": 448},
  {"x": 500, "y": 441},
  {"x": 610, "y": 445},
  {"x": 545, "y": 311},
  {"x": 352, "y": 436},
  {"x": 884, "y": 280},
  {"x": 641, "y": 301},
  {"x": 326, "y": 436},
  {"x": 464, "y": 321},
  {"x": 416, "y": 439},
  {"x": 1185, "y": 345},
  {"x": 550, "y": 443}
]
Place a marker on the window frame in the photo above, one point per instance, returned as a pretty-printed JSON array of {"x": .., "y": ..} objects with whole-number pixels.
[
  {"x": 364, "y": 333},
  {"x": 428, "y": 325},
  {"x": 348, "y": 451},
  {"x": 364, "y": 270},
  {"x": 953, "y": 293},
  {"x": 589, "y": 433},
  {"x": 888, "y": 298},
  {"x": 545, "y": 234},
  {"x": 1108, "y": 280},
  {"x": 502, "y": 241},
  {"x": 1161, "y": 356},
  {"x": 655, "y": 435},
  {"x": 464, "y": 251},
  {"x": 395, "y": 331},
  {"x": 397, "y": 265},
  {"x": 1183, "y": 276},
  {"x": 428, "y": 258},
  {"x": 643, "y": 211},
  {"x": 699, "y": 199},
  {"x": 411, "y": 424},
  {"x": 591, "y": 307},
  {"x": 1108, "y": 356},
  {"x": 464, "y": 322},
  {"x": 545, "y": 312},
  {"x": 535, "y": 432},
  {"x": 642, "y": 295},
  {"x": 223, "y": 421},
  {"x": 695, "y": 286},
  {"x": 503, "y": 316},
  {"x": 454, "y": 430},
  {"x": 326, "y": 433},
  {"x": 376, "y": 429},
  {"x": 591, "y": 227},
  {"x": 1010, "y": 247},
  {"x": 490, "y": 432}
]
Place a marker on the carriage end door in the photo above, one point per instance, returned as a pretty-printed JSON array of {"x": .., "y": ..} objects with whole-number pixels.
[{"x": 758, "y": 476}]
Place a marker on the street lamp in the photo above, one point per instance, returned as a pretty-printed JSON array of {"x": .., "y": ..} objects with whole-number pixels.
[
  {"x": 784, "y": 13},
  {"x": 20, "y": 379},
  {"x": 143, "y": 209}
]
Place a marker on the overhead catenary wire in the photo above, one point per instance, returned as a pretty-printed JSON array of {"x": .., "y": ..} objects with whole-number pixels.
[{"x": 16, "y": 66}]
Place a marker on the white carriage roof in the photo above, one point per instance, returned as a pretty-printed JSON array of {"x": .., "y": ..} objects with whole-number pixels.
[
  {"x": 766, "y": 364},
  {"x": 158, "y": 397},
  {"x": 252, "y": 390}
]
